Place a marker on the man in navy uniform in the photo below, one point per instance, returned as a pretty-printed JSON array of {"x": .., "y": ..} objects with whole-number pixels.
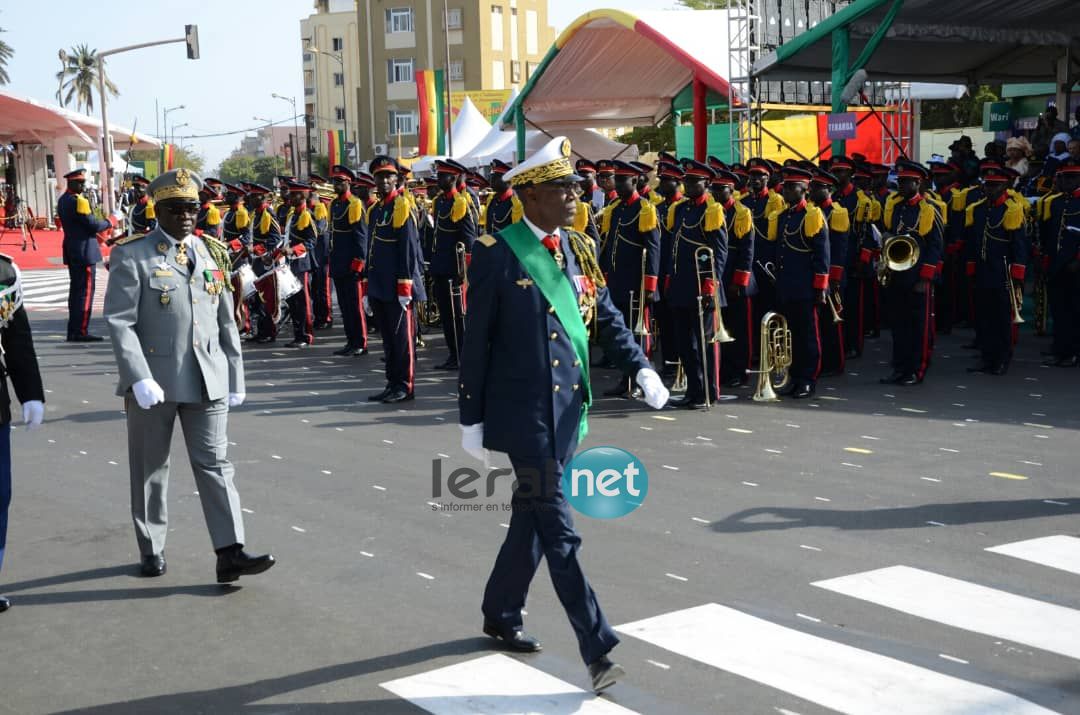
[
  {"x": 502, "y": 208},
  {"x": 605, "y": 178},
  {"x": 209, "y": 218},
  {"x": 524, "y": 390},
  {"x": 390, "y": 284},
  {"x": 141, "y": 219},
  {"x": 321, "y": 301},
  {"x": 833, "y": 353},
  {"x": 265, "y": 242},
  {"x": 738, "y": 280},
  {"x": 82, "y": 253},
  {"x": 348, "y": 250},
  {"x": 670, "y": 188},
  {"x": 20, "y": 364},
  {"x": 454, "y": 231},
  {"x": 762, "y": 203},
  {"x": 697, "y": 222},
  {"x": 909, "y": 294},
  {"x": 591, "y": 193},
  {"x": 236, "y": 234},
  {"x": 630, "y": 231},
  {"x": 801, "y": 237},
  {"x": 997, "y": 248},
  {"x": 1061, "y": 220},
  {"x": 300, "y": 237}
]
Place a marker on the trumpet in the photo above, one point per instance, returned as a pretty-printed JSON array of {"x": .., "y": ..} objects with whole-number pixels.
[
  {"x": 773, "y": 372},
  {"x": 1016, "y": 295},
  {"x": 709, "y": 284},
  {"x": 835, "y": 303},
  {"x": 898, "y": 254},
  {"x": 637, "y": 308}
]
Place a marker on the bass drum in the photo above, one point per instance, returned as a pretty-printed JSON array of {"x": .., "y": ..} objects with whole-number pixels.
[
  {"x": 245, "y": 276},
  {"x": 288, "y": 284}
]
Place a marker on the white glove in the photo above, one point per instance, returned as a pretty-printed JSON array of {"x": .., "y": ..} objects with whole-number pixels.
[
  {"x": 472, "y": 441},
  {"x": 148, "y": 393},
  {"x": 403, "y": 301},
  {"x": 656, "y": 395},
  {"x": 33, "y": 412},
  {"x": 367, "y": 306},
  {"x": 236, "y": 398}
]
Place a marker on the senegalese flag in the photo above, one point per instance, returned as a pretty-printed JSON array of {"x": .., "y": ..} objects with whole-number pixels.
[
  {"x": 168, "y": 157},
  {"x": 431, "y": 96},
  {"x": 335, "y": 146}
]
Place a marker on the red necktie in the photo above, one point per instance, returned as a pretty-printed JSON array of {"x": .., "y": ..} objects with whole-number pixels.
[{"x": 551, "y": 243}]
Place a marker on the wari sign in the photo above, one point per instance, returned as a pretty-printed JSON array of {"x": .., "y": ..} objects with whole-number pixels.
[
  {"x": 842, "y": 126},
  {"x": 997, "y": 116},
  {"x": 490, "y": 102}
]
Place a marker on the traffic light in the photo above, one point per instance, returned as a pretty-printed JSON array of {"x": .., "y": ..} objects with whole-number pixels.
[{"x": 191, "y": 35}]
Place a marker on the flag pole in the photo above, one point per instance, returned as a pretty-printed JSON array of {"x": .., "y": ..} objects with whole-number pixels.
[{"x": 446, "y": 79}]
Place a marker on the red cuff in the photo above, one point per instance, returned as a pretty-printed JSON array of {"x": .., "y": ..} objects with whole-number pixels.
[
  {"x": 1017, "y": 271},
  {"x": 741, "y": 279},
  {"x": 836, "y": 273},
  {"x": 259, "y": 249},
  {"x": 235, "y": 244},
  {"x": 866, "y": 255},
  {"x": 953, "y": 248},
  {"x": 468, "y": 259},
  {"x": 667, "y": 283},
  {"x": 821, "y": 281},
  {"x": 650, "y": 283},
  {"x": 357, "y": 265},
  {"x": 708, "y": 286},
  {"x": 970, "y": 269},
  {"x": 926, "y": 271},
  {"x": 404, "y": 288},
  {"x": 112, "y": 221},
  {"x": 198, "y": 232},
  {"x": 299, "y": 250},
  {"x": 1046, "y": 263}
]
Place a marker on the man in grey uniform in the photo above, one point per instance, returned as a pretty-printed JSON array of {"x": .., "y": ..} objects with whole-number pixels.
[{"x": 169, "y": 312}]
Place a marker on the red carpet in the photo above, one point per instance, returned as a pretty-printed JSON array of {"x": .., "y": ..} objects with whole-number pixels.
[{"x": 48, "y": 254}]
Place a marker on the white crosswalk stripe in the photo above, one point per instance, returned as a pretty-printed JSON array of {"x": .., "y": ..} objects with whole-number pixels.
[
  {"x": 834, "y": 675},
  {"x": 1058, "y": 552},
  {"x": 965, "y": 605},
  {"x": 497, "y": 684},
  {"x": 46, "y": 290}
]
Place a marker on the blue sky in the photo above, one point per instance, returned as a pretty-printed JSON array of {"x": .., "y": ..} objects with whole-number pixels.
[{"x": 249, "y": 50}]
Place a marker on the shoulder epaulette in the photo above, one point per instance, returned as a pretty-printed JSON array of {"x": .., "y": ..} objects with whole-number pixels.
[
  {"x": 928, "y": 213},
  {"x": 840, "y": 219},
  {"x": 213, "y": 216},
  {"x": 1014, "y": 214},
  {"x": 243, "y": 218},
  {"x": 669, "y": 219},
  {"x": 124, "y": 240},
  {"x": 647, "y": 219},
  {"x": 714, "y": 215},
  {"x": 356, "y": 210},
  {"x": 814, "y": 222},
  {"x": 775, "y": 203},
  {"x": 402, "y": 211},
  {"x": 774, "y": 221},
  {"x": 150, "y": 213},
  {"x": 969, "y": 214},
  {"x": 82, "y": 206},
  {"x": 484, "y": 209},
  {"x": 264, "y": 222},
  {"x": 1047, "y": 205},
  {"x": 460, "y": 207},
  {"x": 486, "y": 240},
  {"x": 958, "y": 200},
  {"x": 887, "y": 212},
  {"x": 605, "y": 219},
  {"x": 744, "y": 220},
  {"x": 304, "y": 220},
  {"x": 517, "y": 210}
]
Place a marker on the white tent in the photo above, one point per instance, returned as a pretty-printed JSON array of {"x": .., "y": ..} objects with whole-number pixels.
[
  {"x": 587, "y": 143},
  {"x": 468, "y": 130}
]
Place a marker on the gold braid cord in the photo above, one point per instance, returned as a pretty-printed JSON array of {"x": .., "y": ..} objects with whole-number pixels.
[
  {"x": 581, "y": 245},
  {"x": 220, "y": 253}
]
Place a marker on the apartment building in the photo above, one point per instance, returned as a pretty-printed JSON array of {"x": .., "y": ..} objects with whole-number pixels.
[{"x": 370, "y": 85}]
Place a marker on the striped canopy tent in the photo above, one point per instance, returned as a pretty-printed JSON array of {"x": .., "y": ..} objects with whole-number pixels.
[{"x": 610, "y": 68}]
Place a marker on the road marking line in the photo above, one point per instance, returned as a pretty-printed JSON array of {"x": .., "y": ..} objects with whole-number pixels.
[
  {"x": 740, "y": 430},
  {"x": 246, "y": 510},
  {"x": 1058, "y": 552},
  {"x": 950, "y": 451},
  {"x": 858, "y": 450},
  {"x": 376, "y": 486},
  {"x": 930, "y": 479},
  {"x": 326, "y": 471},
  {"x": 751, "y": 484},
  {"x": 1036, "y": 424},
  {"x": 497, "y": 683},
  {"x": 1034, "y": 464},
  {"x": 953, "y": 658},
  {"x": 665, "y": 418},
  {"x": 774, "y": 451},
  {"x": 676, "y": 577},
  {"x": 1009, "y": 475},
  {"x": 274, "y": 456},
  {"x": 849, "y": 464},
  {"x": 822, "y": 499},
  {"x": 969, "y": 606},
  {"x": 936, "y": 523},
  {"x": 1059, "y": 503},
  {"x": 809, "y": 548},
  {"x": 297, "y": 528},
  {"x": 913, "y": 410},
  {"x": 833, "y": 675},
  {"x": 658, "y": 664},
  {"x": 367, "y": 554},
  {"x": 792, "y": 426},
  {"x": 668, "y": 466},
  {"x": 699, "y": 520},
  {"x": 866, "y": 436},
  {"x": 706, "y": 439},
  {"x": 429, "y": 577},
  {"x": 808, "y": 618},
  {"x": 388, "y": 441}
]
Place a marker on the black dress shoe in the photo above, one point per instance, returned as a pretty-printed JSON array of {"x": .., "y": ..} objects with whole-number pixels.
[
  {"x": 265, "y": 339},
  {"x": 736, "y": 382},
  {"x": 852, "y": 354},
  {"x": 1000, "y": 369},
  {"x": 379, "y": 397},
  {"x": 970, "y": 346},
  {"x": 4, "y": 604},
  {"x": 687, "y": 403},
  {"x": 233, "y": 562},
  {"x": 88, "y": 338},
  {"x": 604, "y": 673},
  {"x": 449, "y": 364},
  {"x": 347, "y": 350},
  {"x": 803, "y": 392},
  {"x": 358, "y": 352},
  {"x": 982, "y": 367},
  {"x": 152, "y": 565},
  {"x": 1062, "y": 362},
  {"x": 892, "y": 379},
  {"x": 514, "y": 640},
  {"x": 420, "y": 343},
  {"x": 398, "y": 395},
  {"x": 324, "y": 326},
  {"x": 908, "y": 380},
  {"x": 297, "y": 344},
  {"x": 619, "y": 390}
]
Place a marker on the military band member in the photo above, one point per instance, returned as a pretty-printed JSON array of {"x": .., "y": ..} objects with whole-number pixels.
[
  {"x": 591, "y": 193},
  {"x": 1061, "y": 223},
  {"x": 348, "y": 250},
  {"x": 693, "y": 285},
  {"x": 236, "y": 234},
  {"x": 997, "y": 249},
  {"x": 390, "y": 285},
  {"x": 209, "y": 219},
  {"x": 833, "y": 352},
  {"x": 643, "y": 186},
  {"x": 801, "y": 237},
  {"x": 452, "y": 239},
  {"x": 738, "y": 281},
  {"x": 605, "y": 179},
  {"x": 909, "y": 293},
  {"x": 266, "y": 241},
  {"x": 535, "y": 287},
  {"x": 141, "y": 218},
  {"x": 762, "y": 203},
  {"x": 631, "y": 242},
  {"x": 670, "y": 188},
  {"x": 300, "y": 238},
  {"x": 502, "y": 208},
  {"x": 946, "y": 292},
  {"x": 21, "y": 365},
  {"x": 282, "y": 205},
  {"x": 321, "y": 300},
  {"x": 169, "y": 312},
  {"x": 82, "y": 253}
]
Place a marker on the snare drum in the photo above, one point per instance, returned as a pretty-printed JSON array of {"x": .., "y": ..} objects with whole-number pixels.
[
  {"x": 288, "y": 284},
  {"x": 245, "y": 276}
]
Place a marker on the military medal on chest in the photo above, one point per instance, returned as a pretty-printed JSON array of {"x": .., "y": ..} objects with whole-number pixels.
[
  {"x": 165, "y": 298},
  {"x": 181, "y": 254}
]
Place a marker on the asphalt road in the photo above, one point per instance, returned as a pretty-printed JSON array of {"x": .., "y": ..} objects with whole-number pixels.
[{"x": 843, "y": 544}]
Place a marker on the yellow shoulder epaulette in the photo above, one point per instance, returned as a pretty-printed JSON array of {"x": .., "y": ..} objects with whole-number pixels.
[
  {"x": 969, "y": 215},
  {"x": 243, "y": 218},
  {"x": 402, "y": 211},
  {"x": 517, "y": 209},
  {"x": 1014, "y": 214},
  {"x": 863, "y": 207},
  {"x": 581, "y": 218},
  {"x": 321, "y": 214},
  {"x": 655, "y": 198},
  {"x": 1048, "y": 205},
  {"x": 304, "y": 221},
  {"x": 356, "y": 210},
  {"x": 714, "y": 215},
  {"x": 128, "y": 239},
  {"x": 840, "y": 220},
  {"x": 264, "y": 222},
  {"x": 605, "y": 220},
  {"x": 484, "y": 210},
  {"x": 460, "y": 207},
  {"x": 814, "y": 222},
  {"x": 774, "y": 222},
  {"x": 150, "y": 213},
  {"x": 647, "y": 219},
  {"x": 213, "y": 216},
  {"x": 486, "y": 240},
  {"x": 669, "y": 219},
  {"x": 928, "y": 213},
  {"x": 890, "y": 204},
  {"x": 82, "y": 206},
  {"x": 775, "y": 204}
]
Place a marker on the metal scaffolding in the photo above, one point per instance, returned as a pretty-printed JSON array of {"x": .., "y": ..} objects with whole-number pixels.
[
  {"x": 744, "y": 46},
  {"x": 899, "y": 123}
]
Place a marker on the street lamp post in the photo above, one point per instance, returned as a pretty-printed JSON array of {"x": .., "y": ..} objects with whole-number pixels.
[
  {"x": 296, "y": 129},
  {"x": 174, "y": 128},
  {"x": 270, "y": 130},
  {"x": 165, "y": 119},
  {"x": 344, "y": 100}
]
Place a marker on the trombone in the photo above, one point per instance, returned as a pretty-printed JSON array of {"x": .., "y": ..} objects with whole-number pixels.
[
  {"x": 457, "y": 294},
  {"x": 636, "y": 313},
  {"x": 773, "y": 372},
  {"x": 1016, "y": 295},
  {"x": 707, "y": 280}
]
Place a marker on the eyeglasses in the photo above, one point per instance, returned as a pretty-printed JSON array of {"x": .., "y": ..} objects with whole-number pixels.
[{"x": 181, "y": 210}]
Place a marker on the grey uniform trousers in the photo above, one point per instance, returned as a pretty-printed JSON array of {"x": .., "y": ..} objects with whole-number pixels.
[{"x": 149, "y": 438}]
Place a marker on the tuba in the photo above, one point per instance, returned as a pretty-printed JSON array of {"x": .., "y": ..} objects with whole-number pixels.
[
  {"x": 775, "y": 357},
  {"x": 898, "y": 254}
]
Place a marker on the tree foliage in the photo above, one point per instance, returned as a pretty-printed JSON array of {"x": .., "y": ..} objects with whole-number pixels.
[
  {"x": 705, "y": 4},
  {"x": 78, "y": 80},
  {"x": 261, "y": 170},
  {"x": 182, "y": 158},
  {"x": 6, "y": 53},
  {"x": 964, "y": 112},
  {"x": 658, "y": 138}
]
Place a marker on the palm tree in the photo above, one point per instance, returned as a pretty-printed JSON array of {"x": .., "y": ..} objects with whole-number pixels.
[
  {"x": 79, "y": 79},
  {"x": 6, "y": 53}
]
